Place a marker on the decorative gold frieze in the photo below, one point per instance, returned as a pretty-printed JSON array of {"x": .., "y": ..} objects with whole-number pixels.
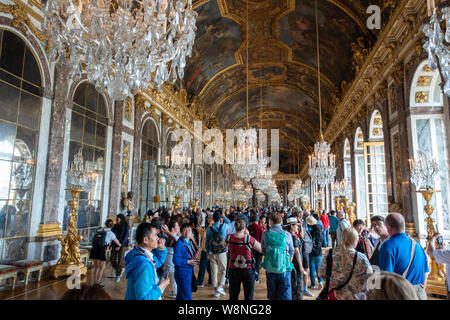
[
  {"x": 378, "y": 121},
  {"x": 422, "y": 96},
  {"x": 48, "y": 230},
  {"x": 424, "y": 81},
  {"x": 376, "y": 132},
  {"x": 21, "y": 21},
  {"x": 426, "y": 68},
  {"x": 128, "y": 108},
  {"x": 125, "y": 165}
]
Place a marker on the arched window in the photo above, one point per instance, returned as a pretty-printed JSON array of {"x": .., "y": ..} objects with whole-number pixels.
[
  {"x": 88, "y": 133},
  {"x": 425, "y": 90},
  {"x": 375, "y": 168},
  {"x": 428, "y": 131},
  {"x": 149, "y": 160},
  {"x": 347, "y": 161},
  {"x": 20, "y": 111},
  {"x": 360, "y": 178}
]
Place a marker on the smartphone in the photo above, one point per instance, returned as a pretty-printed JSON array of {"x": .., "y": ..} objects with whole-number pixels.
[
  {"x": 166, "y": 272},
  {"x": 440, "y": 241}
]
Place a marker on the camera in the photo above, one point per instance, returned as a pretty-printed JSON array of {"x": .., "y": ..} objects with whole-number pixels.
[{"x": 440, "y": 241}]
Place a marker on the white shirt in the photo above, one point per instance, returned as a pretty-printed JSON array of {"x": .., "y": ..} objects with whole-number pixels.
[
  {"x": 443, "y": 256},
  {"x": 109, "y": 237}
]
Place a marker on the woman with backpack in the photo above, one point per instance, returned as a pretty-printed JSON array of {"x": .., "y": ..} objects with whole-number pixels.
[
  {"x": 241, "y": 265},
  {"x": 315, "y": 257},
  {"x": 101, "y": 240},
  {"x": 348, "y": 270}
]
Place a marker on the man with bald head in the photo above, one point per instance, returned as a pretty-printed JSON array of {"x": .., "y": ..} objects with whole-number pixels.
[{"x": 403, "y": 255}]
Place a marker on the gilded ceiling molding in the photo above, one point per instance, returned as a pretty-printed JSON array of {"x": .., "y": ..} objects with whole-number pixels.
[
  {"x": 21, "y": 21},
  {"x": 198, "y": 3},
  {"x": 379, "y": 54}
]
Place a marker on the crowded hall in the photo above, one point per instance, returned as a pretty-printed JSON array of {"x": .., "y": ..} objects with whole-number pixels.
[{"x": 224, "y": 150}]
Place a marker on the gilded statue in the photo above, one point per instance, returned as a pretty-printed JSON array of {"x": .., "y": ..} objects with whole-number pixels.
[
  {"x": 350, "y": 213},
  {"x": 127, "y": 202}
]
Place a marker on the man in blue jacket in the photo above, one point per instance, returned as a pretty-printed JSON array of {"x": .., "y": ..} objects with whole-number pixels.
[{"x": 141, "y": 264}]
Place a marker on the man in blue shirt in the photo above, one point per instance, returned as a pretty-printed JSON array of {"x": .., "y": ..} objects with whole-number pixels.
[
  {"x": 395, "y": 255},
  {"x": 333, "y": 227},
  {"x": 217, "y": 258},
  {"x": 141, "y": 264}
]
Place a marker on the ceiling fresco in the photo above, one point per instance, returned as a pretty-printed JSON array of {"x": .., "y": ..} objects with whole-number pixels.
[{"x": 281, "y": 58}]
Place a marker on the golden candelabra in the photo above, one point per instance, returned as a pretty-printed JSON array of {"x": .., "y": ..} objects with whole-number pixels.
[
  {"x": 70, "y": 251},
  {"x": 319, "y": 205},
  {"x": 338, "y": 204},
  {"x": 436, "y": 278},
  {"x": 176, "y": 204}
]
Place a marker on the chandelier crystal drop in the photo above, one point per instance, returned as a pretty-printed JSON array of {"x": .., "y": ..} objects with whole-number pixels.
[
  {"x": 322, "y": 169},
  {"x": 437, "y": 43},
  {"x": 121, "y": 45}
]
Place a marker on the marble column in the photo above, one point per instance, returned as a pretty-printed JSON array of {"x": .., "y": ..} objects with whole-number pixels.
[
  {"x": 135, "y": 176},
  {"x": 406, "y": 202},
  {"x": 47, "y": 246},
  {"x": 115, "y": 181}
]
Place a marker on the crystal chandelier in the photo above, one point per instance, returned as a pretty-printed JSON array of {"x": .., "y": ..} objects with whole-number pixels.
[
  {"x": 179, "y": 171},
  {"x": 296, "y": 191},
  {"x": 23, "y": 173},
  {"x": 245, "y": 163},
  {"x": 121, "y": 45},
  {"x": 248, "y": 191},
  {"x": 342, "y": 188},
  {"x": 262, "y": 180},
  {"x": 423, "y": 171},
  {"x": 260, "y": 196},
  {"x": 322, "y": 168},
  {"x": 437, "y": 43}
]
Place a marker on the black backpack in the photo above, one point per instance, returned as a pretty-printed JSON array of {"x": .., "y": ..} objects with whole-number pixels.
[
  {"x": 99, "y": 239},
  {"x": 217, "y": 242}
]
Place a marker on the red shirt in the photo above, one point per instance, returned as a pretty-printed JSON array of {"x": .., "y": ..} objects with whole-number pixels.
[
  {"x": 240, "y": 255},
  {"x": 256, "y": 230},
  {"x": 325, "y": 221}
]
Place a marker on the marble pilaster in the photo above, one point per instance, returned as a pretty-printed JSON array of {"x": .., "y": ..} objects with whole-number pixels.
[
  {"x": 136, "y": 164},
  {"x": 116, "y": 149},
  {"x": 55, "y": 147}
]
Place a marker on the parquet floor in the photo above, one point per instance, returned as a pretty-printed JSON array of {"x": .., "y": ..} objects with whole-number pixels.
[{"x": 54, "y": 289}]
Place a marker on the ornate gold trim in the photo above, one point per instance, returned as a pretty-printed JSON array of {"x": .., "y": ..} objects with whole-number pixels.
[
  {"x": 21, "y": 20},
  {"x": 125, "y": 164},
  {"x": 49, "y": 230}
]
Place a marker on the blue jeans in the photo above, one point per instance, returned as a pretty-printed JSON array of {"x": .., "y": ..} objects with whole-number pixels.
[
  {"x": 202, "y": 268},
  {"x": 326, "y": 238},
  {"x": 314, "y": 263},
  {"x": 279, "y": 286},
  {"x": 183, "y": 278}
]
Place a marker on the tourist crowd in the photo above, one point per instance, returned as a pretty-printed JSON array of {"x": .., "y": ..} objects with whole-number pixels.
[{"x": 298, "y": 249}]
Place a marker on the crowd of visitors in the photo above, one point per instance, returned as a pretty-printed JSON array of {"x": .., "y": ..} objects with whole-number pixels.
[{"x": 176, "y": 251}]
